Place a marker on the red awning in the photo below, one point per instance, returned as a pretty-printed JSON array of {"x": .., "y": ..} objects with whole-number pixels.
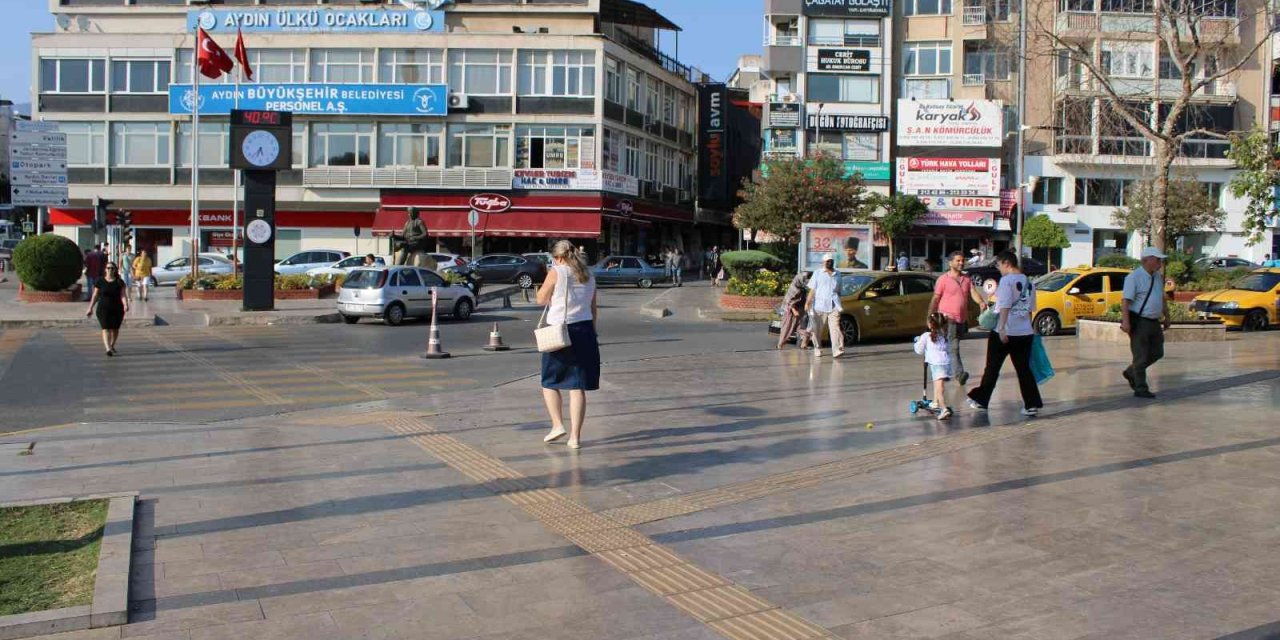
[{"x": 452, "y": 222}]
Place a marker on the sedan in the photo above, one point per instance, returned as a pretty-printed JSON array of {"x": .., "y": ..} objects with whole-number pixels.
[
  {"x": 304, "y": 261},
  {"x": 506, "y": 267},
  {"x": 395, "y": 293},
  {"x": 344, "y": 266},
  {"x": 987, "y": 274},
  {"x": 213, "y": 264},
  {"x": 1224, "y": 263},
  {"x": 448, "y": 260},
  {"x": 628, "y": 270}
]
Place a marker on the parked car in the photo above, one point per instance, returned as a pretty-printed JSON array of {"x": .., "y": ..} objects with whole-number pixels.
[
  {"x": 398, "y": 292},
  {"x": 6, "y": 248},
  {"x": 1225, "y": 263},
  {"x": 1251, "y": 303},
  {"x": 344, "y": 266},
  {"x": 507, "y": 267},
  {"x": 303, "y": 261},
  {"x": 987, "y": 274},
  {"x": 448, "y": 260},
  {"x": 628, "y": 270},
  {"x": 881, "y": 304},
  {"x": 1066, "y": 295},
  {"x": 213, "y": 264},
  {"x": 546, "y": 259}
]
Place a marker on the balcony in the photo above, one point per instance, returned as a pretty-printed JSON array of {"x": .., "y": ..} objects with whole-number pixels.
[
  {"x": 974, "y": 16},
  {"x": 1086, "y": 25},
  {"x": 783, "y": 40},
  {"x": 847, "y": 40},
  {"x": 973, "y": 80},
  {"x": 1136, "y": 152},
  {"x": 370, "y": 177},
  {"x": 1219, "y": 91},
  {"x": 651, "y": 52}
]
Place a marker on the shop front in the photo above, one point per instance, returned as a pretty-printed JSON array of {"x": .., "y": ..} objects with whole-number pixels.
[{"x": 937, "y": 235}]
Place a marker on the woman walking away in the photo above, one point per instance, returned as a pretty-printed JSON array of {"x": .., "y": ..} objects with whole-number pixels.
[
  {"x": 142, "y": 273},
  {"x": 793, "y": 310},
  {"x": 932, "y": 344},
  {"x": 113, "y": 302},
  {"x": 1013, "y": 337},
  {"x": 569, "y": 292}
]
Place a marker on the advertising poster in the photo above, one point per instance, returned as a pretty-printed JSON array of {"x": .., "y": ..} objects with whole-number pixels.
[
  {"x": 949, "y": 176},
  {"x": 850, "y": 244},
  {"x": 947, "y": 123},
  {"x": 844, "y": 60}
]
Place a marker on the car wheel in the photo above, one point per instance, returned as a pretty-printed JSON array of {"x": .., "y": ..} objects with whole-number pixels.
[
  {"x": 645, "y": 283},
  {"x": 394, "y": 314},
  {"x": 525, "y": 281},
  {"x": 849, "y": 327},
  {"x": 462, "y": 310},
  {"x": 350, "y": 319},
  {"x": 1256, "y": 320},
  {"x": 1048, "y": 323}
]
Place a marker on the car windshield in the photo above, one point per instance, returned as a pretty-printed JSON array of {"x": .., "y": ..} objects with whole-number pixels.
[
  {"x": 1054, "y": 281},
  {"x": 851, "y": 283},
  {"x": 363, "y": 279},
  {"x": 1260, "y": 282}
]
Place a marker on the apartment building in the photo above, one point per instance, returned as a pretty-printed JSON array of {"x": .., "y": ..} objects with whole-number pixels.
[{"x": 569, "y": 112}]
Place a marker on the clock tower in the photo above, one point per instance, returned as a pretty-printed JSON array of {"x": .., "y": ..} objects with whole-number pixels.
[{"x": 261, "y": 144}]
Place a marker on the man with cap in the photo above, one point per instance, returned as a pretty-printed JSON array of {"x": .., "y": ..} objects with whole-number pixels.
[
  {"x": 1144, "y": 317},
  {"x": 824, "y": 301}
]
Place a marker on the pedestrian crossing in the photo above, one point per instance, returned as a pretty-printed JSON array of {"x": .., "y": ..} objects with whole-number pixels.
[{"x": 175, "y": 372}]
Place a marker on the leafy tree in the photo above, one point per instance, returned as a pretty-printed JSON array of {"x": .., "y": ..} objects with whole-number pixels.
[
  {"x": 1040, "y": 232},
  {"x": 1189, "y": 209},
  {"x": 901, "y": 213},
  {"x": 1259, "y": 175},
  {"x": 794, "y": 191}
]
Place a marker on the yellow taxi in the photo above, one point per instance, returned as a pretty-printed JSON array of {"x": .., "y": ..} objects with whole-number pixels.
[
  {"x": 1066, "y": 295},
  {"x": 1251, "y": 303}
]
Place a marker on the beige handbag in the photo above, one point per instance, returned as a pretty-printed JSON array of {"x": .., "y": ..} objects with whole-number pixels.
[{"x": 553, "y": 337}]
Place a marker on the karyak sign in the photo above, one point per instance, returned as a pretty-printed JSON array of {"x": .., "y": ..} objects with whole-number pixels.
[
  {"x": 946, "y": 123},
  {"x": 949, "y": 177}
]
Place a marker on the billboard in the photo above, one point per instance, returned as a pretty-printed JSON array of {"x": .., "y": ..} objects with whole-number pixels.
[
  {"x": 949, "y": 176},
  {"x": 971, "y": 203},
  {"x": 848, "y": 122},
  {"x": 314, "y": 99},
  {"x": 713, "y": 167},
  {"x": 784, "y": 115},
  {"x": 318, "y": 20},
  {"x": 849, "y": 244},
  {"x": 958, "y": 218},
  {"x": 947, "y": 123},
  {"x": 844, "y": 60},
  {"x": 847, "y": 8},
  {"x": 574, "y": 179}
]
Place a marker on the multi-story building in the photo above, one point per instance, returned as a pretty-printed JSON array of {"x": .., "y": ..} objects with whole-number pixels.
[{"x": 570, "y": 112}]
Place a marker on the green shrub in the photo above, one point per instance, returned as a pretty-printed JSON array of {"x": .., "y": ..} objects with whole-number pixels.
[
  {"x": 1178, "y": 312},
  {"x": 48, "y": 262},
  {"x": 453, "y": 277},
  {"x": 229, "y": 282},
  {"x": 759, "y": 284},
  {"x": 741, "y": 264},
  {"x": 1118, "y": 261},
  {"x": 1178, "y": 271},
  {"x": 787, "y": 252},
  {"x": 293, "y": 282}
]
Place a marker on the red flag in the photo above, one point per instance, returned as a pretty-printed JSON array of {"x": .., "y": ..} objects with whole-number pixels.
[
  {"x": 211, "y": 59},
  {"x": 242, "y": 56}
]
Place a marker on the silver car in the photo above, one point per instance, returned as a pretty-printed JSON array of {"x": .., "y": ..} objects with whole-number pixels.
[
  {"x": 398, "y": 292},
  {"x": 211, "y": 264}
]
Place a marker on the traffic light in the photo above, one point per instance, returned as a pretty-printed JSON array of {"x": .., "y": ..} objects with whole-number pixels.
[
  {"x": 100, "y": 213},
  {"x": 125, "y": 220}
]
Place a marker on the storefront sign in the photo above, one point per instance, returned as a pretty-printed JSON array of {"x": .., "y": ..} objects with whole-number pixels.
[
  {"x": 1008, "y": 200},
  {"x": 783, "y": 115},
  {"x": 949, "y": 176},
  {"x": 869, "y": 170},
  {"x": 783, "y": 140},
  {"x": 844, "y": 60},
  {"x": 849, "y": 244},
  {"x": 619, "y": 183},
  {"x": 946, "y": 123},
  {"x": 490, "y": 202},
  {"x": 713, "y": 170},
  {"x": 219, "y": 239},
  {"x": 847, "y": 122},
  {"x": 315, "y": 99},
  {"x": 963, "y": 203},
  {"x": 957, "y": 219},
  {"x": 574, "y": 179},
  {"x": 426, "y": 19},
  {"x": 844, "y": 8}
]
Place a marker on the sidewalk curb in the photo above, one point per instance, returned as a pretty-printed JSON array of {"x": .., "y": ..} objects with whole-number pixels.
[
  {"x": 249, "y": 319},
  {"x": 725, "y": 315},
  {"x": 70, "y": 323}
]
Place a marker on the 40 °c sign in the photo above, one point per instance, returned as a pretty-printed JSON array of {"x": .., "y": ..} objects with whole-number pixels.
[
  {"x": 314, "y": 99},
  {"x": 426, "y": 18}
]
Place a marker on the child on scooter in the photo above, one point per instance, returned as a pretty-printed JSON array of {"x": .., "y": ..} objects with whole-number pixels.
[{"x": 932, "y": 344}]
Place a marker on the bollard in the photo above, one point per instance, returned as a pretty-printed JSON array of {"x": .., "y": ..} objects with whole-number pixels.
[
  {"x": 434, "y": 350},
  {"x": 495, "y": 340}
]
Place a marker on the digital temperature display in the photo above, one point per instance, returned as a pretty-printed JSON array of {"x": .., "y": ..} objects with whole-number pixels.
[{"x": 261, "y": 118}]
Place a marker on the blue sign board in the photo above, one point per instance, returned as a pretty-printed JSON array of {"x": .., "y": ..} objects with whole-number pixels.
[
  {"x": 319, "y": 20},
  {"x": 315, "y": 99}
]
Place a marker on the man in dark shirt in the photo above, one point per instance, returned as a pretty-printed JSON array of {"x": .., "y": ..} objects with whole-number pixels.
[{"x": 93, "y": 263}]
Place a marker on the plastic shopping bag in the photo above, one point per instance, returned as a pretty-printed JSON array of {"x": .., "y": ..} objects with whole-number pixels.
[{"x": 1041, "y": 367}]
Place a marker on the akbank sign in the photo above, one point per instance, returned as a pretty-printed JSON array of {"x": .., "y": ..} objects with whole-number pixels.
[
  {"x": 314, "y": 99},
  {"x": 426, "y": 18}
]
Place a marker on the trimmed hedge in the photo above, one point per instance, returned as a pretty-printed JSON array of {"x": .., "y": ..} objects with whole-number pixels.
[
  {"x": 744, "y": 264},
  {"x": 48, "y": 262},
  {"x": 1117, "y": 261}
]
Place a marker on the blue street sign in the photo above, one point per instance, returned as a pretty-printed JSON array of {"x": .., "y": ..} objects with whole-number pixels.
[
  {"x": 316, "y": 99},
  {"x": 320, "y": 20}
]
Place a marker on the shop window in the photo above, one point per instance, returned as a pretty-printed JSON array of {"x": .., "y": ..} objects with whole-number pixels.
[
  {"x": 73, "y": 75},
  {"x": 480, "y": 71},
  {"x": 846, "y": 145}
]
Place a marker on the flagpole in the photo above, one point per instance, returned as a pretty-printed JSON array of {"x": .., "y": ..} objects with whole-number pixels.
[
  {"x": 235, "y": 192},
  {"x": 195, "y": 159}
]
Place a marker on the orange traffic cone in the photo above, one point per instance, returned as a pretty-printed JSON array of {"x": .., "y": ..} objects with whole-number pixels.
[{"x": 434, "y": 350}]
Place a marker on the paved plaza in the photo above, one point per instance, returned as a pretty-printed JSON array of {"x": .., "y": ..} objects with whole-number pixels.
[{"x": 745, "y": 493}]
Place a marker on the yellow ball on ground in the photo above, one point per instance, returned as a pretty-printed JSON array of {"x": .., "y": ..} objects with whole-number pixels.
[{"x": 869, "y": 425}]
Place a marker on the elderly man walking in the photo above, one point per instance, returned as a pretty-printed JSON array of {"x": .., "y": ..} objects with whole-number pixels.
[
  {"x": 1145, "y": 317},
  {"x": 951, "y": 295},
  {"x": 824, "y": 302}
]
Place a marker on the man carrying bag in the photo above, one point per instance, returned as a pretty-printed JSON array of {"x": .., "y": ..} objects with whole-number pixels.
[{"x": 1144, "y": 317}]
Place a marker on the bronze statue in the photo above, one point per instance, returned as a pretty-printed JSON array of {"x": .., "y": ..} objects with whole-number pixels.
[{"x": 413, "y": 238}]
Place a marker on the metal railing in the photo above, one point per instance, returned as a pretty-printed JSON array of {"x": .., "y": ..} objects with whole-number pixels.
[
  {"x": 783, "y": 41},
  {"x": 366, "y": 177},
  {"x": 649, "y": 51},
  {"x": 973, "y": 80},
  {"x": 845, "y": 41},
  {"x": 975, "y": 16}
]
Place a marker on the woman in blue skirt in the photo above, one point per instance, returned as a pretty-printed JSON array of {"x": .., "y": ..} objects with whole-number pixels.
[{"x": 569, "y": 292}]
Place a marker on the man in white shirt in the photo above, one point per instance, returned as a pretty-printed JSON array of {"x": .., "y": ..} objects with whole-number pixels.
[
  {"x": 1145, "y": 317},
  {"x": 824, "y": 301}
]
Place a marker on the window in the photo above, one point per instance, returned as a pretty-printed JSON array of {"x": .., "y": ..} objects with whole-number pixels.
[
  {"x": 668, "y": 174},
  {"x": 669, "y": 104},
  {"x": 826, "y": 87},
  {"x": 611, "y": 158},
  {"x": 343, "y": 144},
  {"x": 926, "y": 59},
  {"x": 1169, "y": 70},
  {"x": 652, "y": 96},
  {"x": 140, "y": 144},
  {"x": 633, "y": 156},
  {"x": 86, "y": 143},
  {"x": 1214, "y": 191},
  {"x": 634, "y": 83},
  {"x": 926, "y": 89},
  {"x": 411, "y": 66},
  {"x": 214, "y": 144},
  {"x": 1100, "y": 192},
  {"x": 73, "y": 75},
  {"x": 1048, "y": 191},
  {"x": 139, "y": 76},
  {"x": 430, "y": 279},
  {"x": 926, "y": 8},
  {"x": 410, "y": 145},
  {"x": 299, "y": 135},
  {"x": 847, "y": 145},
  {"x": 1089, "y": 284},
  {"x": 684, "y": 112},
  {"x": 1127, "y": 60},
  {"x": 916, "y": 285},
  {"x": 555, "y": 147},
  {"x": 1116, "y": 280},
  {"x": 342, "y": 65},
  {"x": 269, "y": 65},
  {"x": 479, "y": 145},
  {"x": 557, "y": 73},
  {"x": 991, "y": 65},
  {"x": 480, "y": 71},
  {"x": 651, "y": 161},
  {"x": 1128, "y": 6},
  {"x": 844, "y": 33},
  {"x": 612, "y": 81},
  {"x": 409, "y": 278}
]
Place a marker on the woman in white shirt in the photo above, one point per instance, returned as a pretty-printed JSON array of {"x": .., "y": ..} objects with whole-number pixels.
[
  {"x": 569, "y": 292},
  {"x": 1015, "y": 300}
]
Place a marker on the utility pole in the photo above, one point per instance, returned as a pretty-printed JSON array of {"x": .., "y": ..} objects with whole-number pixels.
[{"x": 1020, "y": 161}]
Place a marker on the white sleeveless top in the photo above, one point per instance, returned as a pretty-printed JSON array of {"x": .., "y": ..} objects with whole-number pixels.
[{"x": 580, "y": 297}]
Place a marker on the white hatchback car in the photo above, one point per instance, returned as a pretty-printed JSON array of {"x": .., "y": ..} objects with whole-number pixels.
[
  {"x": 398, "y": 292},
  {"x": 344, "y": 266},
  {"x": 212, "y": 264},
  {"x": 303, "y": 261}
]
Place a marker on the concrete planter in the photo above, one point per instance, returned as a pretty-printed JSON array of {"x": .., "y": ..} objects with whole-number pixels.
[
  {"x": 1186, "y": 296},
  {"x": 237, "y": 294},
  {"x": 749, "y": 303},
  {"x": 74, "y": 294},
  {"x": 1192, "y": 331}
]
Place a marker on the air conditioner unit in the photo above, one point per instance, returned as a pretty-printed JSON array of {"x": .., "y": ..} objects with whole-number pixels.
[{"x": 459, "y": 101}]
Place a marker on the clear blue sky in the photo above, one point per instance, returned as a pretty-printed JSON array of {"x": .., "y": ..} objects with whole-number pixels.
[{"x": 715, "y": 33}]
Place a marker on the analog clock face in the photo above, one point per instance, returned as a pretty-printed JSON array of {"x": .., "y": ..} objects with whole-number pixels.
[{"x": 260, "y": 148}]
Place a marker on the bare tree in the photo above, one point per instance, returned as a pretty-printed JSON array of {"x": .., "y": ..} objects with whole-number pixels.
[{"x": 1128, "y": 96}]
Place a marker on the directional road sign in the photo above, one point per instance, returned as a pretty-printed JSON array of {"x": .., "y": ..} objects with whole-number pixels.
[
  {"x": 38, "y": 164},
  {"x": 39, "y": 196}
]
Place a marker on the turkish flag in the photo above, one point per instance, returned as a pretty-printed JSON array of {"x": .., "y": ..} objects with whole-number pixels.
[
  {"x": 212, "y": 60},
  {"x": 242, "y": 56}
]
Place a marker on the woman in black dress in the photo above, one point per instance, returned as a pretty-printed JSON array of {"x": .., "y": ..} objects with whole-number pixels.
[{"x": 112, "y": 298}]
